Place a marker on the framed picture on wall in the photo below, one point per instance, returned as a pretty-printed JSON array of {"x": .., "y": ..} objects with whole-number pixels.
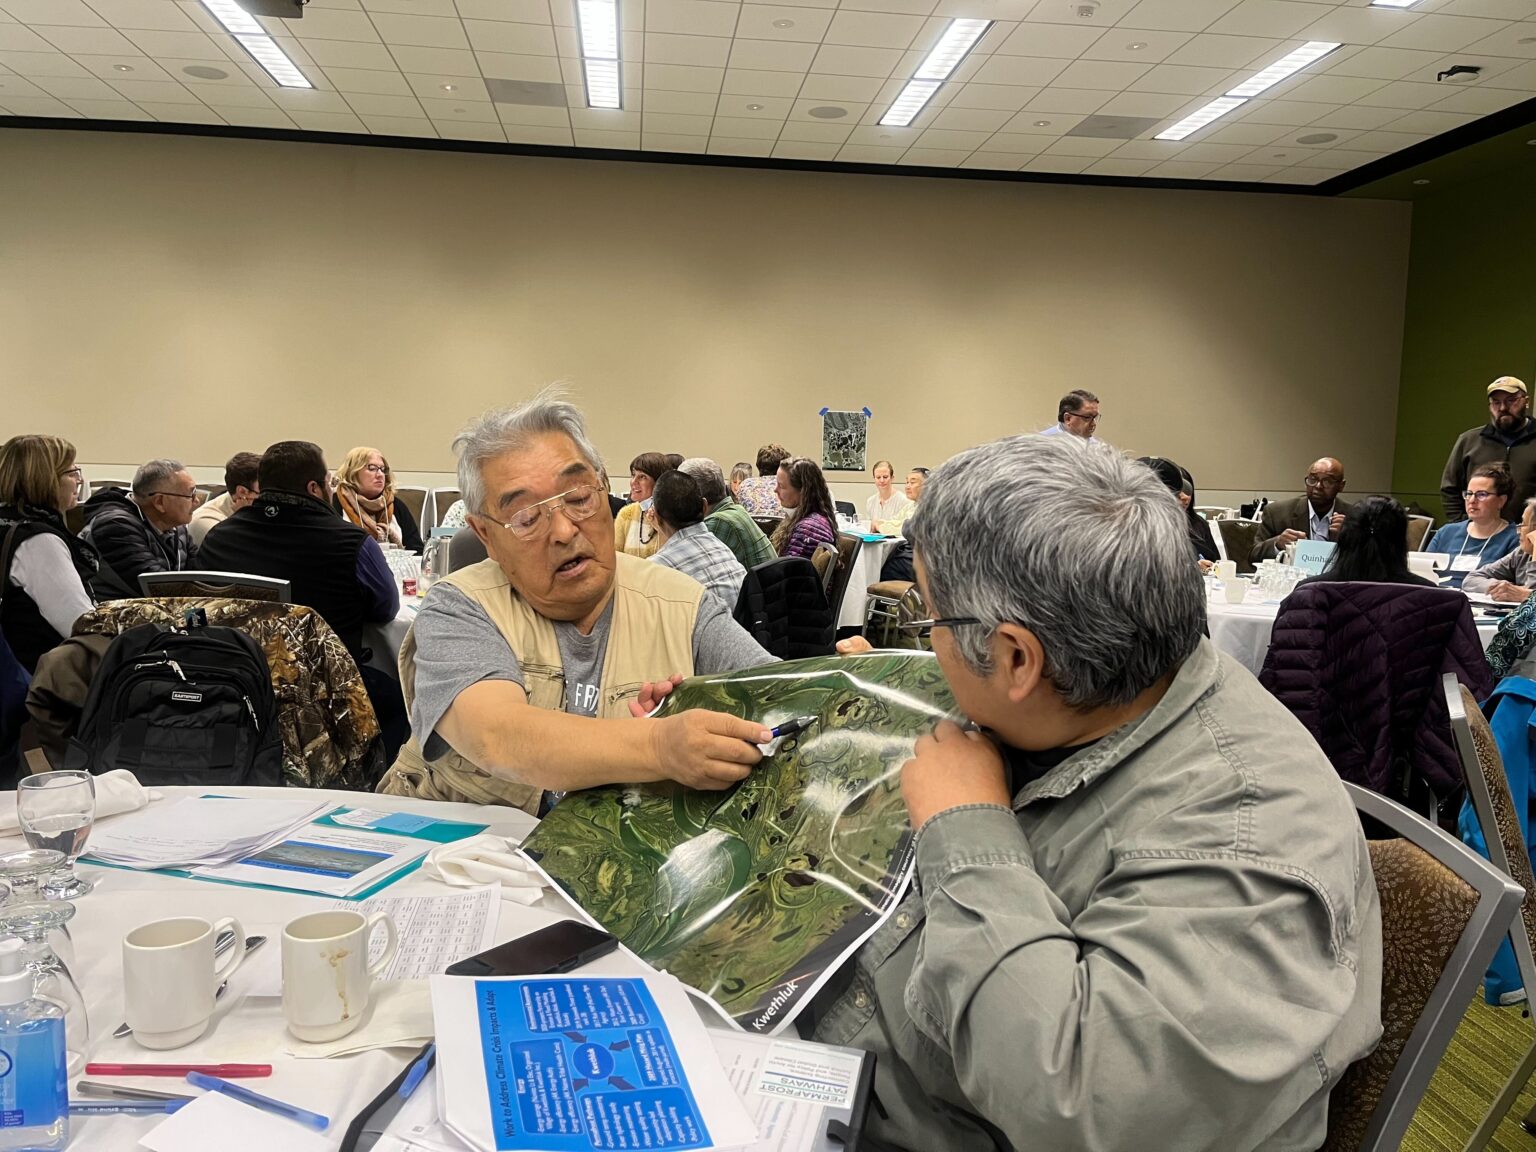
[{"x": 843, "y": 439}]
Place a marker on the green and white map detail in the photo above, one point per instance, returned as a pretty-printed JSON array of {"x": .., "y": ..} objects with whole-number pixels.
[{"x": 754, "y": 895}]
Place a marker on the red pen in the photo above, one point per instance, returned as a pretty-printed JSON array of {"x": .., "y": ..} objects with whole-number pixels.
[{"x": 228, "y": 1071}]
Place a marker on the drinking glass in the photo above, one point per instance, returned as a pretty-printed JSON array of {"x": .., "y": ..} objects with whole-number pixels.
[
  {"x": 56, "y": 810},
  {"x": 51, "y": 977}
]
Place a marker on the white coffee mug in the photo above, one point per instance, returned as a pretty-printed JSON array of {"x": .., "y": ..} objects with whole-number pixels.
[
  {"x": 327, "y": 979},
  {"x": 170, "y": 977},
  {"x": 1236, "y": 590},
  {"x": 1227, "y": 570}
]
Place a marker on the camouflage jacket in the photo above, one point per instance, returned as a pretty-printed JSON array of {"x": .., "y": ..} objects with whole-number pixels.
[{"x": 330, "y": 734}]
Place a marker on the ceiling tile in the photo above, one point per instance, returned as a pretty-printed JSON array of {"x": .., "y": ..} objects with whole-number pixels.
[
  {"x": 453, "y": 88},
  {"x": 1384, "y": 63},
  {"x": 13, "y": 85},
  {"x": 1433, "y": 122},
  {"x": 1515, "y": 40},
  {"x": 92, "y": 41},
  {"x": 1265, "y": 18},
  {"x": 1025, "y": 71},
  {"x": 1494, "y": 9},
  {"x": 366, "y": 105},
  {"x": 1074, "y": 100},
  {"x": 1082, "y": 146},
  {"x": 677, "y": 125},
  {"x": 666, "y": 142},
  {"x": 521, "y": 11},
  {"x": 959, "y": 141},
  {"x": 16, "y": 38},
  {"x": 933, "y": 157},
  {"x": 1018, "y": 143},
  {"x": 469, "y": 130},
  {"x": 993, "y": 161},
  {"x": 762, "y": 107},
  {"x": 842, "y": 60},
  {"x": 1356, "y": 116},
  {"x": 835, "y": 131},
  {"x": 1482, "y": 100},
  {"x": 54, "y": 12},
  {"x": 1331, "y": 89},
  {"x": 1062, "y": 164},
  {"x": 230, "y": 95},
  {"x": 971, "y": 119},
  {"x": 803, "y": 109},
  {"x": 1004, "y": 97},
  {"x": 1210, "y": 51},
  {"x": 880, "y": 136},
  {"x": 499, "y": 65},
  {"x": 734, "y": 146},
  {"x": 326, "y": 24},
  {"x": 1341, "y": 159},
  {"x": 533, "y": 115},
  {"x": 1106, "y": 74},
  {"x": 413, "y": 7},
  {"x": 445, "y": 61},
  {"x": 351, "y": 54},
  {"x": 1181, "y": 79},
  {"x": 503, "y": 36},
  {"x": 746, "y": 127},
  {"x": 1252, "y": 135},
  {"x": 1403, "y": 94},
  {"x": 757, "y": 22},
  {"x": 420, "y": 31},
  {"x": 601, "y": 119},
  {"x": 1182, "y": 170},
  {"x": 122, "y": 67},
  {"x": 1034, "y": 123},
  {"x": 368, "y": 80},
  {"x": 772, "y": 56},
  {"x": 158, "y": 14},
  {"x": 293, "y": 99},
  {"x": 1063, "y": 41},
  {"x": 1143, "y": 104},
  {"x": 1443, "y": 33},
  {"x": 1066, "y": 12},
  {"x": 1154, "y": 46},
  {"x": 1290, "y": 112},
  {"x": 326, "y": 121},
  {"x": 599, "y": 138},
  {"x": 182, "y": 113},
  {"x": 1002, "y": 9},
  {"x": 76, "y": 88},
  {"x": 752, "y": 82},
  {"x": 399, "y": 125},
  {"x": 1382, "y": 141},
  {"x": 1209, "y": 151},
  {"x": 861, "y": 89},
  {"x": 1177, "y": 15},
  {"x": 534, "y": 134},
  {"x": 1522, "y": 79},
  {"x": 41, "y": 64},
  {"x": 1114, "y": 166},
  {"x": 1246, "y": 171},
  {"x": 683, "y": 78},
  {"x": 1351, "y": 25},
  {"x": 692, "y": 17},
  {"x": 154, "y": 92},
  {"x": 805, "y": 150},
  {"x": 702, "y": 51},
  {"x": 1157, "y": 150},
  {"x": 39, "y": 106},
  {"x": 873, "y": 29},
  {"x": 109, "y": 109}
]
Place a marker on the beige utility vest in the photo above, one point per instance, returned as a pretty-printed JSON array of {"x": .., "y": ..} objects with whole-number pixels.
[{"x": 650, "y": 637}]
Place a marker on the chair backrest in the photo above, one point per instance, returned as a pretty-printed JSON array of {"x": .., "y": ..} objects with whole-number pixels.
[
  {"x": 825, "y": 559},
  {"x": 1443, "y": 911},
  {"x": 214, "y": 490},
  {"x": 1418, "y": 531},
  {"x": 1238, "y": 538},
  {"x": 442, "y": 500},
  {"x": 415, "y": 499},
  {"x": 234, "y": 585},
  {"x": 848, "y": 546},
  {"x": 98, "y": 485},
  {"x": 74, "y": 519},
  {"x": 1211, "y": 511},
  {"x": 1494, "y": 805},
  {"x": 464, "y": 549},
  {"x": 846, "y": 507},
  {"x": 782, "y": 606}
]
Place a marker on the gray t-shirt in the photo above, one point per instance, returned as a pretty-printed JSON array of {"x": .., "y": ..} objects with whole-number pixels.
[{"x": 457, "y": 645}]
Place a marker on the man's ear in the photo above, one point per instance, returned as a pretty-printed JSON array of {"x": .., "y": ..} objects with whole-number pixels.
[{"x": 1019, "y": 659}]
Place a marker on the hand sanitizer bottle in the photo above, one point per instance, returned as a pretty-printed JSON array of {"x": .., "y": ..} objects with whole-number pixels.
[{"x": 34, "y": 1069}]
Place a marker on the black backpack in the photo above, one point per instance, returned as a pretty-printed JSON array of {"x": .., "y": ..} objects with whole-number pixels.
[{"x": 181, "y": 707}]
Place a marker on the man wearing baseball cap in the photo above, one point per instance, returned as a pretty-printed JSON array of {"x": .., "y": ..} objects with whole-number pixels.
[{"x": 1509, "y": 438}]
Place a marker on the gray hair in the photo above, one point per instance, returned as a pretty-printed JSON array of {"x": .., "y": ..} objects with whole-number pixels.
[
  {"x": 149, "y": 478},
  {"x": 706, "y": 473},
  {"x": 503, "y": 430},
  {"x": 1080, "y": 545}
]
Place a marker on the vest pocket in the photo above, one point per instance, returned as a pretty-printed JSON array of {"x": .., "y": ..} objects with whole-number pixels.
[
  {"x": 545, "y": 685},
  {"x": 618, "y": 694}
]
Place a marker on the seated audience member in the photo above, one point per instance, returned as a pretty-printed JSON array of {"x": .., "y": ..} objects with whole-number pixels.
[
  {"x": 46, "y": 585},
  {"x": 1485, "y": 535},
  {"x": 454, "y": 517},
  {"x": 883, "y": 509},
  {"x": 809, "y": 515},
  {"x": 241, "y": 487},
  {"x": 1511, "y": 577},
  {"x": 1140, "y": 855},
  {"x": 1316, "y": 516},
  {"x": 1077, "y": 416},
  {"x": 759, "y": 494},
  {"x": 1182, "y": 485},
  {"x": 739, "y": 472},
  {"x": 688, "y": 545},
  {"x": 674, "y": 461},
  {"x": 365, "y": 495},
  {"x": 144, "y": 530},
  {"x": 292, "y": 533},
  {"x": 727, "y": 519},
  {"x": 526, "y": 670},
  {"x": 1372, "y": 546},
  {"x": 634, "y": 528},
  {"x": 898, "y": 565}
]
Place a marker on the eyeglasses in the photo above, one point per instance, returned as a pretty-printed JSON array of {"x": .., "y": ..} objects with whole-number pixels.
[
  {"x": 1471, "y": 496},
  {"x": 532, "y": 522},
  {"x": 379, "y": 468},
  {"x": 937, "y": 622},
  {"x": 75, "y": 472},
  {"x": 1505, "y": 399},
  {"x": 1090, "y": 420},
  {"x": 178, "y": 495},
  {"x": 1322, "y": 481}
]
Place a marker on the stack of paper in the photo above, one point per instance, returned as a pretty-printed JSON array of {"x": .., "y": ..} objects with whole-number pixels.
[
  {"x": 198, "y": 830},
  {"x": 323, "y": 858}
]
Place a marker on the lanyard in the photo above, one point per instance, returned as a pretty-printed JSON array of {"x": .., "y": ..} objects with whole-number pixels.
[{"x": 1463, "y": 549}]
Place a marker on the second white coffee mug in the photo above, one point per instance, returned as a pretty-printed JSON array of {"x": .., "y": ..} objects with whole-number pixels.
[
  {"x": 327, "y": 979},
  {"x": 170, "y": 977}
]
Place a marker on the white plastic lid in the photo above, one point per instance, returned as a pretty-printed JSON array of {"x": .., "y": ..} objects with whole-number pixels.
[{"x": 15, "y": 979}]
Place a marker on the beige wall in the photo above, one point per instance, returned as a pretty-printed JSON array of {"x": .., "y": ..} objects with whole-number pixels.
[{"x": 194, "y": 297}]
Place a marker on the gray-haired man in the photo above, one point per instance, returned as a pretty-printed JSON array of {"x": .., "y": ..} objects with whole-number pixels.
[
  {"x": 144, "y": 530},
  {"x": 522, "y": 674},
  {"x": 728, "y": 520},
  {"x": 1143, "y": 914}
]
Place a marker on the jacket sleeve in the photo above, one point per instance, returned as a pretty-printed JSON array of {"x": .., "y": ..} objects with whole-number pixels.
[
  {"x": 1072, "y": 1032},
  {"x": 123, "y": 544},
  {"x": 380, "y": 593},
  {"x": 1452, "y": 481},
  {"x": 1272, "y": 524},
  {"x": 1504, "y": 568},
  {"x": 410, "y": 534}
]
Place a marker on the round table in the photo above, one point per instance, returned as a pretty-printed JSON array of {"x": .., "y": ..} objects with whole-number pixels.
[
  {"x": 384, "y": 640},
  {"x": 1242, "y": 631},
  {"x": 337, "y": 1087},
  {"x": 866, "y": 571}
]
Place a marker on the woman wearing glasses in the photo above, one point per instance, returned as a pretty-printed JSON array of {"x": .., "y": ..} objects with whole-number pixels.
[
  {"x": 45, "y": 569},
  {"x": 365, "y": 495},
  {"x": 1485, "y": 535}
]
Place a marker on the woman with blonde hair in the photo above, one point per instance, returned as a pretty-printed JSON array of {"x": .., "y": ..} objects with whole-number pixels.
[
  {"x": 44, "y": 568},
  {"x": 365, "y": 495}
]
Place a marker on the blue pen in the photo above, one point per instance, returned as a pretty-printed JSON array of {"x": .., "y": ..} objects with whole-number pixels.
[
  {"x": 256, "y": 1100},
  {"x": 142, "y": 1108},
  {"x": 418, "y": 1072}
]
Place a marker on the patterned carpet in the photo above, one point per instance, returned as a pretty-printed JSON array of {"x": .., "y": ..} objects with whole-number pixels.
[{"x": 1485, "y": 1050}]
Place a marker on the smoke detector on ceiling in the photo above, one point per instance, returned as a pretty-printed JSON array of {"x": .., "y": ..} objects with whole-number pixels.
[{"x": 1086, "y": 9}]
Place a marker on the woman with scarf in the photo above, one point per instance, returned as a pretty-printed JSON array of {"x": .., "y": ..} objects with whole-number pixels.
[
  {"x": 365, "y": 495},
  {"x": 45, "y": 570}
]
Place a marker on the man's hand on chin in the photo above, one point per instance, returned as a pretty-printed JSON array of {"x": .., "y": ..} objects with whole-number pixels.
[{"x": 952, "y": 767}]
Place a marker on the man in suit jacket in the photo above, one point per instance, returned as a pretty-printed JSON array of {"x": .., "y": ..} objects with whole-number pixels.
[{"x": 1316, "y": 516}]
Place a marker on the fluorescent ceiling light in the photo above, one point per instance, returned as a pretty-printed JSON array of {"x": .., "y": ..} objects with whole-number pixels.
[
  {"x": 599, "y": 21},
  {"x": 1283, "y": 68},
  {"x": 1393, "y": 3},
  {"x": 254, "y": 39},
  {"x": 958, "y": 39}
]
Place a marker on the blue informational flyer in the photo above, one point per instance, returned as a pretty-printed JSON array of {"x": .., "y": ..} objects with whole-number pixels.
[{"x": 583, "y": 1064}]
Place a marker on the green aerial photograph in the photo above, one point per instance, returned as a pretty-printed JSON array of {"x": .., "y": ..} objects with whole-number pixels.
[{"x": 752, "y": 894}]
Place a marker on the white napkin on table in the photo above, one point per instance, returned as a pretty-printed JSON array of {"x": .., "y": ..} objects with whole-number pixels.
[
  {"x": 482, "y": 859},
  {"x": 117, "y": 791}
]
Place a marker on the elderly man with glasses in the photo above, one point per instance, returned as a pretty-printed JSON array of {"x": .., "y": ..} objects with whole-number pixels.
[
  {"x": 142, "y": 530},
  {"x": 1143, "y": 913},
  {"x": 524, "y": 674},
  {"x": 1316, "y": 516},
  {"x": 1509, "y": 438}
]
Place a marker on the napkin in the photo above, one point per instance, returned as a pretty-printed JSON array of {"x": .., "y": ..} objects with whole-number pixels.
[
  {"x": 117, "y": 791},
  {"x": 481, "y": 860}
]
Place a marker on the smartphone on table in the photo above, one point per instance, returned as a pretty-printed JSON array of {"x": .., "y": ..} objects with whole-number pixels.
[{"x": 561, "y": 947}]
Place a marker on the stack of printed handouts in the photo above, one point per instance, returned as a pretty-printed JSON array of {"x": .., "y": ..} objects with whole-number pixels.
[
  {"x": 201, "y": 830},
  {"x": 578, "y": 1064}
]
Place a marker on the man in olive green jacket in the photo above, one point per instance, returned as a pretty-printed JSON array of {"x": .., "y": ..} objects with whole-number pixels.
[{"x": 1149, "y": 922}]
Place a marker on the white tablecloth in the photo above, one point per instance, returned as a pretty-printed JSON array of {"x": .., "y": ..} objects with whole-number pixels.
[
  {"x": 338, "y": 1087},
  {"x": 1242, "y": 631},
  {"x": 866, "y": 571},
  {"x": 385, "y": 639}
]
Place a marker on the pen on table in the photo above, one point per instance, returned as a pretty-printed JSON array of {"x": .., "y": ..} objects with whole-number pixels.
[
  {"x": 256, "y": 1100},
  {"x": 418, "y": 1071},
  {"x": 120, "y": 1092},
  {"x": 369, "y": 1126},
  {"x": 125, "y": 1107},
  {"x": 230, "y": 1070}
]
